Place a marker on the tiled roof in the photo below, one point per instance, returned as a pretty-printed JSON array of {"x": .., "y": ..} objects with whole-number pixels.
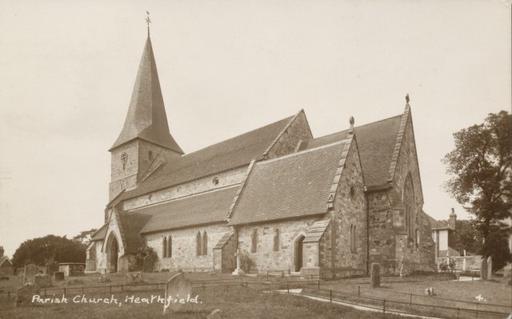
[
  {"x": 132, "y": 224},
  {"x": 146, "y": 118},
  {"x": 441, "y": 224},
  {"x": 229, "y": 154},
  {"x": 205, "y": 208},
  {"x": 100, "y": 233},
  {"x": 290, "y": 186},
  {"x": 316, "y": 231},
  {"x": 376, "y": 142}
]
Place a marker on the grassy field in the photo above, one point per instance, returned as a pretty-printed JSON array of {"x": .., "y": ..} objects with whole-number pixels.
[{"x": 234, "y": 302}]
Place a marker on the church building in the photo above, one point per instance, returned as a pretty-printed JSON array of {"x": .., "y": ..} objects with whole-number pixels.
[{"x": 278, "y": 197}]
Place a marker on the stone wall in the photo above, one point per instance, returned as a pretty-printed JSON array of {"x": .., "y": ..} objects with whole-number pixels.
[
  {"x": 184, "y": 247},
  {"x": 348, "y": 216},
  {"x": 287, "y": 143},
  {"x": 265, "y": 258},
  {"x": 390, "y": 243},
  {"x": 223, "y": 179}
]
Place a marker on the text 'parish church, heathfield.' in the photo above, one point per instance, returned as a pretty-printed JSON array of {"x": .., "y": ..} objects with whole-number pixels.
[{"x": 284, "y": 200}]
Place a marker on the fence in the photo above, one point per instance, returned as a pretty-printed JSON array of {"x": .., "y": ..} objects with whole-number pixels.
[{"x": 311, "y": 288}]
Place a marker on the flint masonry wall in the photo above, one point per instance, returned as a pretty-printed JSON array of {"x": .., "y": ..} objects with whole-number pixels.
[
  {"x": 287, "y": 142},
  {"x": 349, "y": 212},
  {"x": 223, "y": 179},
  {"x": 184, "y": 248},
  {"x": 265, "y": 258}
]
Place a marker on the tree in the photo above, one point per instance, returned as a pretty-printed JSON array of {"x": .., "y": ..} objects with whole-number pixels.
[
  {"x": 480, "y": 169},
  {"x": 85, "y": 236},
  {"x": 466, "y": 237},
  {"x": 47, "y": 250}
]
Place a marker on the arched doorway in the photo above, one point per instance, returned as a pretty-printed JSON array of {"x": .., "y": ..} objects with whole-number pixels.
[
  {"x": 112, "y": 253},
  {"x": 298, "y": 252}
]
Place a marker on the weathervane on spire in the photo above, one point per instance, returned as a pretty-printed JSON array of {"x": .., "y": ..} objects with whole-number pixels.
[{"x": 148, "y": 20}]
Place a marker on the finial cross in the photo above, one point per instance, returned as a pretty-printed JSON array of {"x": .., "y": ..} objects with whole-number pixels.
[{"x": 148, "y": 20}]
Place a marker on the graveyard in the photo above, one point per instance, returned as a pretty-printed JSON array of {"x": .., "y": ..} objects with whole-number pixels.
[{"x": 252, "y": 296}]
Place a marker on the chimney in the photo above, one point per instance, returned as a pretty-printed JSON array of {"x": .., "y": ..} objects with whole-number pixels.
[{"x": 452, "y": 219}]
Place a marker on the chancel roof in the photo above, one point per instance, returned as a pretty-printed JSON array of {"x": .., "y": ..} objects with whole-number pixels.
[{"x": 376, "y": 142}]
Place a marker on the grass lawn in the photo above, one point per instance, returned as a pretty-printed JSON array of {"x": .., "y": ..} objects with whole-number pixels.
[{"x": 234, "y": 302}]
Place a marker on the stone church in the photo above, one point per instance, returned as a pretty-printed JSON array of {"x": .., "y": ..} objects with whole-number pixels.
[{"x": 282, "y": 199}]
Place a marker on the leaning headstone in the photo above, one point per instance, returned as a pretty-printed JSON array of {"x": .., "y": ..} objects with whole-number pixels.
[
  {"x": 177, "y": 287},
  {"x": 24, "y": 295},
  {"x": 58, "y": 275},
  {"x": 43, "y": 280},
  {"x": 215, "y": 314},
  {"x": 483, "y": 269},
  {"x": 489, "y": 268},
  {"x": 375, "y": 275},
  {"x": 29, "y": 272}
]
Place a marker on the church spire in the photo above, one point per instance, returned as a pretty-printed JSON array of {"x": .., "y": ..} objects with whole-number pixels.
[{"x": 146, "y": 118}]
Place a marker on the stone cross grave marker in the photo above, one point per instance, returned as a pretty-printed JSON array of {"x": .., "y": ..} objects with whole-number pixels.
[{"x": 177, "y": 287}]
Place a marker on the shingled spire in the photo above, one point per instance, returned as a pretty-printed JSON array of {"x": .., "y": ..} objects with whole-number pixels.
[{"x": 146, "y": 118}]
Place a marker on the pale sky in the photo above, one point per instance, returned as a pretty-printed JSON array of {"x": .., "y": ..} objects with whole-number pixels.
[{"x": 226, "y": 67}]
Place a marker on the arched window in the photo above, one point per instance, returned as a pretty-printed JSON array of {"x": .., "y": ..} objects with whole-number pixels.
[
  {"x": 169, "y": 246},
  {"x": 409, "y": 204},
  {"x": 164, "y": 247},
  {"x": 353, "y": 238},
  {"x": 276, "y": 239},
  {"x": 205, "y": 244},
  {"x": 254, "y": 241},
  {"x": 417, "y": 237},
  {"x": 198, "y": 244}
]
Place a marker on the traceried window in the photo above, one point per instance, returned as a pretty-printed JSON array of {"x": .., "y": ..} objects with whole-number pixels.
[
  {"x": 409, "y": 205},
  {"x": 254, "y": 241},
  {"x": 276, "y": 239}
]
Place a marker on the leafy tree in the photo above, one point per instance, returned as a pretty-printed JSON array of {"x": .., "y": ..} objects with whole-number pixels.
[
  {"x": 466, "y": 237},
  {"x": 85, "y": 236},
  {"x": 48, "y": 250},
  {"x": 481, "y": 179}
]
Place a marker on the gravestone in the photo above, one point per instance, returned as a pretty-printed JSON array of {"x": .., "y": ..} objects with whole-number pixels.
[
  {"x": 24, "y": 295},
  {"x": 58, "y": 275},
  {"x": 177, "y": 287},
  {"x": 215, "y": 314},
  {"x": 489, "y": 268},
  {"x": 42, "y": 280},
  {"x": 29, "y": 272},
  {"x": 375, "y": 275},
  {"x": 483, "y": 269}
]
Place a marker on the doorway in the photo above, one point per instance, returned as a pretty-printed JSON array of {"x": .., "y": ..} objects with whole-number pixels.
[
  {"x": 298, "y": 252},
  {"x": 112, "y": 253}
]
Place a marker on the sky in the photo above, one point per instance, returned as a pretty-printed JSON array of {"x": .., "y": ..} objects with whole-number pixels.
[{"x": 67, "y": 69}]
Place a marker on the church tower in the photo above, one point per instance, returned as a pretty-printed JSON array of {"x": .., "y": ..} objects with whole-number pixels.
[{"x": 145, "y": 137}]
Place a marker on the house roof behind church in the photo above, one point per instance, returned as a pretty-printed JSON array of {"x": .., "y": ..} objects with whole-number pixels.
[
  {"x": 295, "y": 185},
  {"x": 205, "y": 208},
  {"x": 232, "y": 153},
  {"x": 375, "y": 141}
]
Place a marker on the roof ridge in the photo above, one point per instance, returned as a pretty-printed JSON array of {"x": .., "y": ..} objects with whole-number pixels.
[
  {"x": 309, "y": 150},
  {"x": 135, "y": 210},
  {"x": 236, "y": 136}
]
